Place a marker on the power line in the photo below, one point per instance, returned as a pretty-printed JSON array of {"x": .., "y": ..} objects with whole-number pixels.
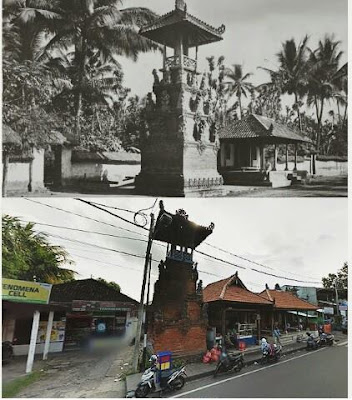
[
  {"x": 109, "y": 212},
  {"x": 198, "y": 251},
  {"x": 84, "y": 216},
  {"x": 254, "y": 262}
]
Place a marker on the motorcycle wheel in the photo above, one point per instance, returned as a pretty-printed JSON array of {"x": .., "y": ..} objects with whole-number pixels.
[
  {"x": 142, "y": 391},
  {"x": 239, "y": 367},
  {"x": 218, "y": 369},
  {"x": 178, "y": 383}
]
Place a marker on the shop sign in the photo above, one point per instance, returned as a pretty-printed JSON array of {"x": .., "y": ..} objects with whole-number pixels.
[
  {"x": 329, "y": 310},
  {"x": 81, "y": 305},
  {"x": 25, "y": 291},
  {"x": 343, "y": 308}
]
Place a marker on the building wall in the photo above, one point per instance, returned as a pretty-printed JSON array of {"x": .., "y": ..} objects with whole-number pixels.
[{"x": 19, "y": 172}]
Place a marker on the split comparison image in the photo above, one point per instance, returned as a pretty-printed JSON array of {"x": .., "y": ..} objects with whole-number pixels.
[{"x": 175, "y": 199}]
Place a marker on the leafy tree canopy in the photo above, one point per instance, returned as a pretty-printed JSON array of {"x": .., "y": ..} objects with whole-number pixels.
[
  {"x": 27, "y": 255},
  {"x": 113, "y": 285},
  {"x": 342, "y": 278}
]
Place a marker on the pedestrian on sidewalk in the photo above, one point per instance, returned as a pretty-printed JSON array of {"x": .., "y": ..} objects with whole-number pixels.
[{"x": 276, "y": 335}]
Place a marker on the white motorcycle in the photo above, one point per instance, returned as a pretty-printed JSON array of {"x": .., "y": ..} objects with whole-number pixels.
[{"x": 175, "y": 380}]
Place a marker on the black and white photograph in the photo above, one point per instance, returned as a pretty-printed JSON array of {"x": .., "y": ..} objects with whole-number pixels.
[
  {"x": 175, "y": 199},
  {"x": 198, "y": 99}
]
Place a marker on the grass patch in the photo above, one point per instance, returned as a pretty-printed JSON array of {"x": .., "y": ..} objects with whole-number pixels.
[{"x": 12, "y": 388}]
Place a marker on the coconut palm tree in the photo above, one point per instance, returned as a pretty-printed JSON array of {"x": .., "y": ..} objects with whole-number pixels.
[
  {"x": 238, "y": 84},
  {"x": 324, "y": 77},
  {"x": 292, "y": 72},
  {"x": 98, "y": 25}
]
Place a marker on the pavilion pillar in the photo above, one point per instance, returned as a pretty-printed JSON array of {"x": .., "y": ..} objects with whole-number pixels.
[
  {"x": 33, "y": 341},
  {"x": 295, "y": 167},
  {"x": 286, "y": 167},
  {"x": 262, "y": 157},
  {"x": 164, "y": 58},
  {"x": 48, "y": 335},
  {"x": 275, "y": 157},
  {"x": 223, "y": 320}
]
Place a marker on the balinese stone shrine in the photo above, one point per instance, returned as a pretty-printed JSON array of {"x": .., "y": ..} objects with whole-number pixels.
[
  {"x": 179, "y": 152},
  {"x": 177, "y": 318}
]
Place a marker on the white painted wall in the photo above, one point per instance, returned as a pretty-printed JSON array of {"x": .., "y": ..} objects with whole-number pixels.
[
  {"x": 324, "y": 168},
  {"x": 22, "y": 349}
]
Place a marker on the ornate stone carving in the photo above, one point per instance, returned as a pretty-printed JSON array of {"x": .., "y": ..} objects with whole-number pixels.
[
  {"x": 165, "y": 101},
  {"x": 156, "y": 77},
  {"x": 200, "y": 287},
  {"x": 150, "y": 103}
]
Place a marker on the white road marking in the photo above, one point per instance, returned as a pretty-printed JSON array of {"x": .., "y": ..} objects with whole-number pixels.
[
  {"x": 246, "y": 373},
  {"x": 343, "y": 343}
]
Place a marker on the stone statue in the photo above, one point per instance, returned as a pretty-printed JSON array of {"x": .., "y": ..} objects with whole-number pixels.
[
  {"x": 150, "y": 102},
  {"x": 195, "y": 272},
  {"x": 205, "y": 307},
  {"x": 167, "y": 75},
  {"x": 200, "y": 287},
  {"x": 165, "y": 101},
  {"x": 156, "y": 77}
]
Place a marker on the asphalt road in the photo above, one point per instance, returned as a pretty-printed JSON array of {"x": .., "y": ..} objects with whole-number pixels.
[{"x": 322, "y": 373}]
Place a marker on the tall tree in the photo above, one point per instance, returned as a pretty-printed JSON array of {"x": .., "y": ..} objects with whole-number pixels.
[
  {"x": 27, "y": 255},
  {"x": 323, "y": 77},
  {"x": 292, "y": 72},
  {"x": 341, "y": 278},
  {"x": 238, "y": 84},
  {"x": 99, "y": 25}
]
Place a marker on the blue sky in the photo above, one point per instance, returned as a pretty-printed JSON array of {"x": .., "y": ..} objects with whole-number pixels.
[{"x": 255, "y": 30}]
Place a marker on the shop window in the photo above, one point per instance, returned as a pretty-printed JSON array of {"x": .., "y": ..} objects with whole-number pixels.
[{"x": 23, "y": 328}]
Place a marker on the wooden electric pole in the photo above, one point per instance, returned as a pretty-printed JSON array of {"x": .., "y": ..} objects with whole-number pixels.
[{"x": 141, "y": 304}]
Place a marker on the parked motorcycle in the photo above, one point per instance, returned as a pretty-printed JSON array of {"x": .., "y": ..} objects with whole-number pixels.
[
  {"x": 272, "y": 354},
  {"x": 229, "y": 362},
  {"x": 175, "y": 380},
  {"x": 7, "y": 352},
  {"x": 312, "y": 342},
  {"x": 326, "y": 339}
]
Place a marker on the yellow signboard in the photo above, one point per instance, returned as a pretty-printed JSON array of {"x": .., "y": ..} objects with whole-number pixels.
[{"x": 25, "y": 292}]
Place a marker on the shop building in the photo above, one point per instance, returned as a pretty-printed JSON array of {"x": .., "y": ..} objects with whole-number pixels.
[
  {"x": 288, "y": 309},
  {"x": 94, "y": 309}
]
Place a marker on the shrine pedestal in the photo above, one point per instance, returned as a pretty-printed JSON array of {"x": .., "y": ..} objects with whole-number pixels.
[{"x": 177, "y": 321}]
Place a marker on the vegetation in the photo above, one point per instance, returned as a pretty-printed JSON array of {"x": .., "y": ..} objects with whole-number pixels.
[
  {"x": 27, "y": 255},
  {"x": 61, "y": 63},
  {"x": 13, "y": 388},
  {"x": 113, "y": 285},
  {"x": 340, "y": 279}
]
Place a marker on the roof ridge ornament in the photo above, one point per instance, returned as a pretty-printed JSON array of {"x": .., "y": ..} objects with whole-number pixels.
[{"x": 181, "y": 5}]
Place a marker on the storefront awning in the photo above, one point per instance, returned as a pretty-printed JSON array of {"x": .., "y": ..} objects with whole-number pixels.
[{"x": 301, "y": 314}]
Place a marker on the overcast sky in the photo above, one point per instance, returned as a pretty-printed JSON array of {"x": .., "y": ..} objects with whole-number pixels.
[
  {"x": 255, "y": 30},
  {"x": 303, "y": 239}
]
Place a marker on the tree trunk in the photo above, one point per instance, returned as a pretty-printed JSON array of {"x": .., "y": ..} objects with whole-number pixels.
[
  {"x": 5, "y": 158},
  {"x": 240, "y": 105},
  {"x": 81, "y": 72},
  {"x": 320, "y": 117},
  {"x": 298, "y": 113}
]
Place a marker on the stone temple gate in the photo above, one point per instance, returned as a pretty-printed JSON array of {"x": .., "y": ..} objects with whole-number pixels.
[
  {"x": 177, "y": 318},
  {"x": 179, "y": 152}
]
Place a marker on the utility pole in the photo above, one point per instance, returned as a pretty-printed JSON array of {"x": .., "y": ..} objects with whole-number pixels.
[
  {"x": 337, "y": 298},
  {"x": 141, "y": 304},
  {"x": 145, "y": 315}
]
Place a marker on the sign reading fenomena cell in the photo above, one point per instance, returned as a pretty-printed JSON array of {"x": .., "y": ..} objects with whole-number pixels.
[{"x": 25, "y": 291}]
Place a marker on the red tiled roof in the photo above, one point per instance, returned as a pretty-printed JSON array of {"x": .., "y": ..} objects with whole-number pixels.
[
  {"x": 286, "y": 300},
  {"x": 227, "y": 290},
  {"x": 256, "y": 126}
]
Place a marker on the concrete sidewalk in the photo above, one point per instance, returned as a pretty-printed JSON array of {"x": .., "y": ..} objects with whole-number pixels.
[{"x": 251, "y": 355}]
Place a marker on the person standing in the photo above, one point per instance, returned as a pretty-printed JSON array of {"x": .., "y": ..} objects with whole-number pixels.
[{"x": 276, "y": 335}]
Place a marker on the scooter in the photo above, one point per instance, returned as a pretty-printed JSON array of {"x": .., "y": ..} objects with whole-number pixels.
[
  {"x": 7, "y": 352},
  {"x": 229, "y": 362},
  {"x": 326, "y": 339},
  {"x": 273, "y": 354},
  {"x": 312, "y": 342},
  {"x": 175, "y": 380}
]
